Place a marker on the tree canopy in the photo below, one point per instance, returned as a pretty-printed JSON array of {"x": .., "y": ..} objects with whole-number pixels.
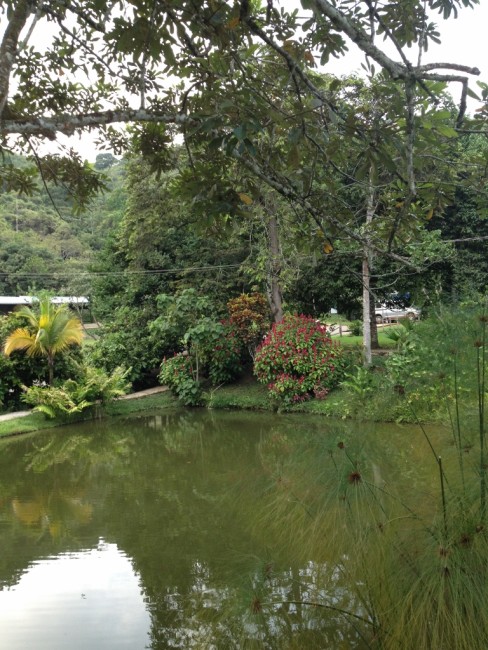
[
  {"x": 226, "y": 71},
  {"x": 245, "y": 88}
]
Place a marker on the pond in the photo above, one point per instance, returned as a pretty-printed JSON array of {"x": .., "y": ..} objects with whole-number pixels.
[{"x": 197, "y": 529}]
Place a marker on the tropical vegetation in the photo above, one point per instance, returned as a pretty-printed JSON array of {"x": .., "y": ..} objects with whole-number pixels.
[
  {"x": 49, "y": 331},
  {"x": 253, "y": 194}
]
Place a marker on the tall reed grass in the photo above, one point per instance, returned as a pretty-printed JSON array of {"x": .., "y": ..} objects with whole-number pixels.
[{"x": 397, "y": 524}]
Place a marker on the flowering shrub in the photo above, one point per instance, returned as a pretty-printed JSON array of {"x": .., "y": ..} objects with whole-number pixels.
[
  {"x": 249, "y": 316},
  {"x": 297, "y": 360}
]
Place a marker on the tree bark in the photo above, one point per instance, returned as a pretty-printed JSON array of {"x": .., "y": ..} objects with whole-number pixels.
[
  {"x": 366, "y": 273},
  {"x": 10, "y": 46},
  {"x": 50, "y": 365},
  {"x": 374, "y": 326},
  {"x": 275, "y": 294},
  {"x": 367, "y": 356}
]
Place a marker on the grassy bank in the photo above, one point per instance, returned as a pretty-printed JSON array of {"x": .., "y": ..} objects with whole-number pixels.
[
  {"x": 245, "y": 395},
  {"x": 37, "y": 421}
]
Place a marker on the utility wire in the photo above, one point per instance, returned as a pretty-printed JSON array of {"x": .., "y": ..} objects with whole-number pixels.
[{"x": 84, "y": 274}]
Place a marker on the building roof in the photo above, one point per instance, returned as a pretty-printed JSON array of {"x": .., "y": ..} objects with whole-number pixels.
[{"x": 57, "y": 300}]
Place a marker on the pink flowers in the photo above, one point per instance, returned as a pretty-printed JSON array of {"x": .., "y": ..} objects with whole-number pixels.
[{"x": 295, "y": 360}]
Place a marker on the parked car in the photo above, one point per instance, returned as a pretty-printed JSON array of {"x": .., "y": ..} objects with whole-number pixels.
[{"x": 385, "y": 314}]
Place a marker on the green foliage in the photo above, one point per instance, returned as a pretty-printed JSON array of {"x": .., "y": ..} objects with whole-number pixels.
[
  {"x": 432, "y": 368},
  {"x": 356, "y": 328},
  {"x": 215, "y": 349},
  {"x": 249, "y": 316},
  {"x": 359, "y": 382},
  {"x": 19, "y": 370},
  {"x": 96, "y": 386},
  {"x": 127, "y": 341},
  {"x": 298, "y": 360},
  {"x": 177, "y": 314},
  {"x": 74, "y": 396},
  {"x": 49, "y": 247},
  {"x": 177, "y": 373},
  {"x": 212, "y": 352},
  {"x": 159, "y": 231},
  {"x": 328, "y": 283},
  {"x": 53, "y": 401}
]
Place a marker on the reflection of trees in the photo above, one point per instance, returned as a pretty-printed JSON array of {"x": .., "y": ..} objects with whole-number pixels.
[{"x": 182, "y": 494}]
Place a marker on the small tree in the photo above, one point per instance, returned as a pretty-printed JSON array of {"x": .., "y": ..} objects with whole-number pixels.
[{"x": 50, "y": 330}]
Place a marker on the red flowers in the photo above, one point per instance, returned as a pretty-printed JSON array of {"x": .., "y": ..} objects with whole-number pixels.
[{"x": 298, "y": 360}]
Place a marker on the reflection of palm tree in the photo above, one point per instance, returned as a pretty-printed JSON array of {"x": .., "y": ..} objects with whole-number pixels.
[{"x": 50, "y": 331}]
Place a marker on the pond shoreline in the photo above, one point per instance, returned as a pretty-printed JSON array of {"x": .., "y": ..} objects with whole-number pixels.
[
  {"x": 24, "y": 422},
  {"x": 247, "y": 395}
]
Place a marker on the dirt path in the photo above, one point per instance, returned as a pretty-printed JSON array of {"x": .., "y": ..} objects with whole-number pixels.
[
  {"x": 144, "y": 393},
  {"x": 12, "y": 416},
  {"x": 141, "y": 393}
]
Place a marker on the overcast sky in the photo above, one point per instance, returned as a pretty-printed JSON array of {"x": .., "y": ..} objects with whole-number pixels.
[{"x": 463, "y": 41}]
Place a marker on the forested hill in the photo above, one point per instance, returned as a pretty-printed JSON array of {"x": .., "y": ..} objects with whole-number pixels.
[{"x": 45, "y": 244}]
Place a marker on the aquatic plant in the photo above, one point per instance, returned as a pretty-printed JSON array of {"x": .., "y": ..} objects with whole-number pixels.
[{"x": 402, "y": 546}]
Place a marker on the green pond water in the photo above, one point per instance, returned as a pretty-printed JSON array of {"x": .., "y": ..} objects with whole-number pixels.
[{"x": 183, "y": 529}]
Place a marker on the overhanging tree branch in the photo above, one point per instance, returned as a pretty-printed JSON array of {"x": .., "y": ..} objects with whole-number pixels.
[
  {"x": 49, "y": 127},
  {"x": 316, "y": 214}
]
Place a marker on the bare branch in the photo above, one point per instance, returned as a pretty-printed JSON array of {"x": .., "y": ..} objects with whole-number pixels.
[
  {"x": 48, "y": 127},
  {"x": 81, "y": 13},
  {"x": 293, "y": 66},
  {"x": 397, "y": 70},
  {"x": 35, "y": 20},
  {"x": 447, "y": 66},
  {"x": 290, "y": 194},
  {"x": 343, "y": 24}
]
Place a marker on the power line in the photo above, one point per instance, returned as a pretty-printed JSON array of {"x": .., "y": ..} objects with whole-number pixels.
[{"x": 87, "y": 274}]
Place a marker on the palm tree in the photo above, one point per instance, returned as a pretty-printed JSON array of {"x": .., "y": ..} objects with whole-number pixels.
[{"x": 51, "y": 330}]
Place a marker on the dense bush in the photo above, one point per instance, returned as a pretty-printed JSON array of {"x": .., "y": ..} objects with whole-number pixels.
[
  {"x": 298, "y": 360},
  {"x": 178, "y": 375},
  {"x": 250, "y": 317},
  {"x": 212, "y": 353},
  {"x": 432, "y": 375},
  {"x": 127, "y": 341},
  {"x": 73, "y": 396}
]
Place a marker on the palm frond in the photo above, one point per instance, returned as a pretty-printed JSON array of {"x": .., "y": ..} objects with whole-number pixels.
[{"x": 20, "y": 339}]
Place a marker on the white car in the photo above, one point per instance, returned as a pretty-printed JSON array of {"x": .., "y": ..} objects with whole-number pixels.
[{"x": 384, "y": 314}]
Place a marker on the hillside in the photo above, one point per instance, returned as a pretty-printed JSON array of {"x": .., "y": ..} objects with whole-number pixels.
[{"x": 46, "y": 245}]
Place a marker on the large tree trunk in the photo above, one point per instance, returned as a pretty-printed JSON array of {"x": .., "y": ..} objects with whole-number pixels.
[
  {"x": 374, "y": 326},
  {"x": 10, "y": 45},
  {"x": 274, "y": 290},
  {"x": 366, "y": 273},
  {"x": 273, "y": 271},
  {"x": 367, "y": 355}
]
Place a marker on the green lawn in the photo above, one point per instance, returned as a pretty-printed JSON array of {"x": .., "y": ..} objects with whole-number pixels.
[
  {"x": 357, "y": 341},
  {"x": 247, "y": 394}
]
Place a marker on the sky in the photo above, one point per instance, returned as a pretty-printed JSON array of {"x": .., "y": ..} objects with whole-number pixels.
[{"x": 463, "y": 41}]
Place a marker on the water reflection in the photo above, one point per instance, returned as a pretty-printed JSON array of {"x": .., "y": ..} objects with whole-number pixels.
[
  {"x": 189, "y": 557},
  {"x": 63, "y": 601}
]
